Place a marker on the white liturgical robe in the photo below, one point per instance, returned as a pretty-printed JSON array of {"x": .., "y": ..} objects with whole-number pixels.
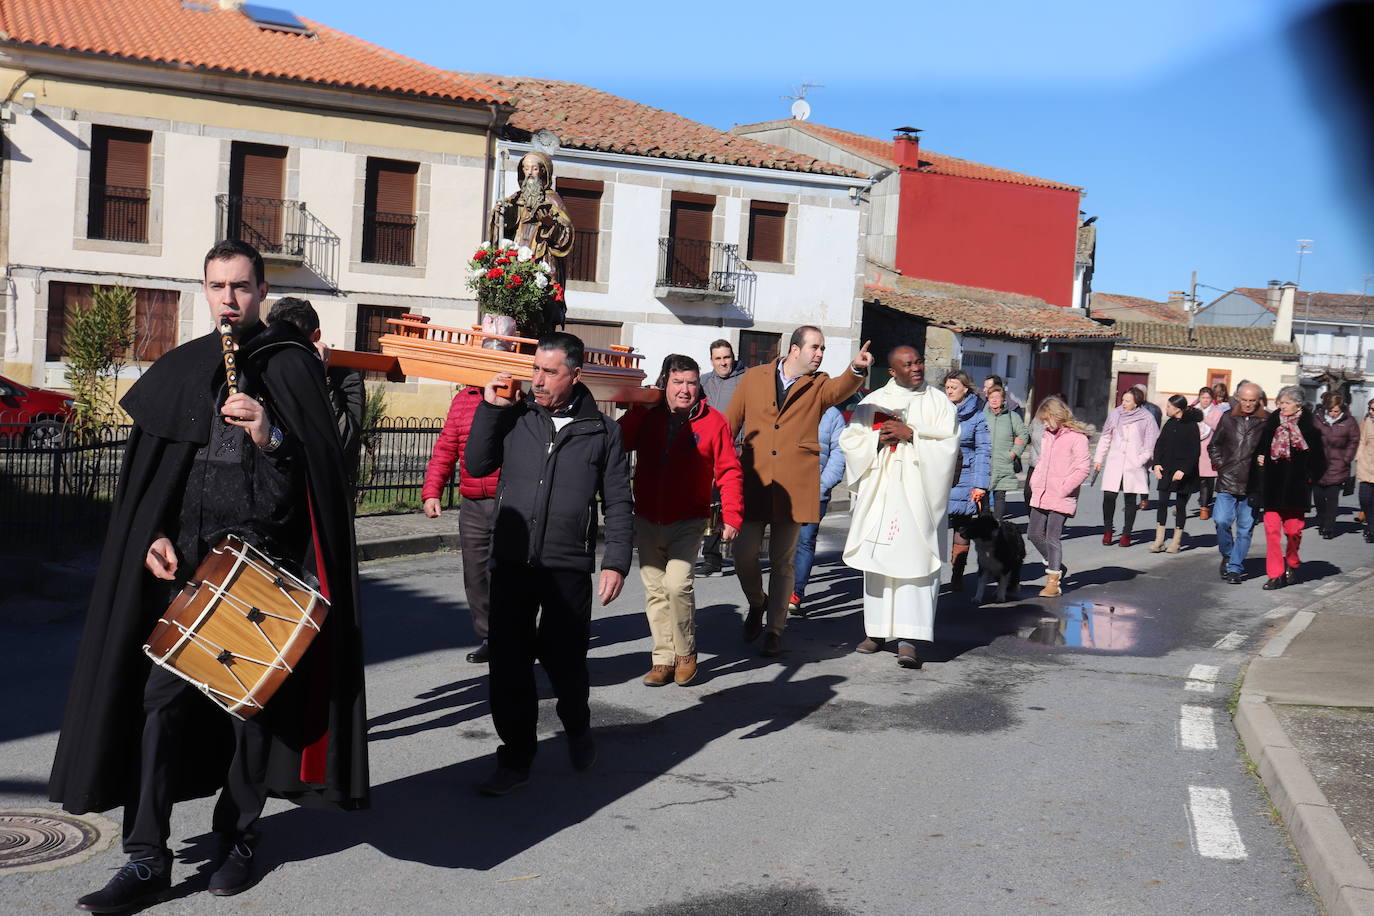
[{"x": 898, "y": 532}]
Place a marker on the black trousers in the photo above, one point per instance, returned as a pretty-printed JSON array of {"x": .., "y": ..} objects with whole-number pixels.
[
  {"x": 542, "y": 614},
  {"x": 1180, "y": 490},
  {"x": 147, "y": 817},
  {"x": 1128, "y": 510},
  {"x": 1327, "y": 496}
]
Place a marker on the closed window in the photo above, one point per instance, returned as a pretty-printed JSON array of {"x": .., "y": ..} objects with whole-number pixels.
[
  {"x": 118, "y": 207},
  {"x": 767, "y": 225},
  {"x": 257, "y": 186},
  {"x": 1011, "y": 366},
  {"x": 389, "y": 212},
  {"x": 688, "y": 261},
  {"x": 370, "y": 326},
  {"x": 758, "y": 347},
  {"x": 975, "y": 359},
  {"x": 155, "y": 319},
  {"x": 583, "y": 201}
]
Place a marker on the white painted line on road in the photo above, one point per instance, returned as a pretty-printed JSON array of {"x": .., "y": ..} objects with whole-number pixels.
[
  {"x": 1283, "y": 610},
  {"x": 1196, "y": 730},
  {"x": 1328, "y": 588},
  {"x": 1362, "y": 571},
  {"x": 1279, "y": 644},
  {"x": 1215, "y": 834},
  {"x": 1202, "y": 678},
  {"x": 1232, "y": 640}
]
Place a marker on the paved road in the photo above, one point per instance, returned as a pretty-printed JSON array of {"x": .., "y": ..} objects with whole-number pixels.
[{"x": 1087, "y": 765}]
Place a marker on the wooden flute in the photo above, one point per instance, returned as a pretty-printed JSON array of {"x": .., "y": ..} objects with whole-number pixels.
[{"x": 231, "y": 372}]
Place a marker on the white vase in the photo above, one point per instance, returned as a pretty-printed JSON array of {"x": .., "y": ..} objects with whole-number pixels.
[{"x": 498, "y": 324}]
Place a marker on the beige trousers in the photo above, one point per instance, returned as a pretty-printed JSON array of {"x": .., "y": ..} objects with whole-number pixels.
[
  {"x": 782, "y": 548},
  {"x": 667, "y": 555}
]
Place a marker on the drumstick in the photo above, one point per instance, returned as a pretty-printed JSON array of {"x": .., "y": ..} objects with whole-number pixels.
[{"x": 231, "y": 372}]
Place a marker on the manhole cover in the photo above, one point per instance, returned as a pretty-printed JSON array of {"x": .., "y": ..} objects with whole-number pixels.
[{"x": 40, "y": 840}]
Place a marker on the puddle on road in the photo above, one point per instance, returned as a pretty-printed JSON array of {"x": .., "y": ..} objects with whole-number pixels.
[{"x": 1089, "y": 625}]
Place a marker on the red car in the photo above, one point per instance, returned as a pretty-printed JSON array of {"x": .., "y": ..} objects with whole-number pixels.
[{"x": 33, "y": 417}]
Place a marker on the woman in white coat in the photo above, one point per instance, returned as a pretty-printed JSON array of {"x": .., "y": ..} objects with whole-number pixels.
[{"x": 1125, "y": 450}]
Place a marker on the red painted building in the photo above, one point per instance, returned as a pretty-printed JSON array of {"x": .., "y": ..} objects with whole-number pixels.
[{"x": 951, "y": 220}]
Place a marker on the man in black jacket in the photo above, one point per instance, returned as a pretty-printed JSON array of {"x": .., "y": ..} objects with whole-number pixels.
[
  {"x": 1232, "y": 450},
  {"x": 557, "y": 454},
  {"x": 263, "y": 464}
]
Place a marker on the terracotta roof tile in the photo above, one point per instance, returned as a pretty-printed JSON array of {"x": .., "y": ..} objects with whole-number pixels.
[
  {"x": 203, "y": 36},
  {"x": 879, "y": 152},
  {"x": 587, "y": 118},
  {"x": 1135, "y": 308},
  {"x": 988, "y": 312},
  {"x": 1209, "y": 338}
]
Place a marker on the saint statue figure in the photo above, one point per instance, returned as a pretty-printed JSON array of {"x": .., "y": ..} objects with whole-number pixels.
[{"x": 536, "y": 218}]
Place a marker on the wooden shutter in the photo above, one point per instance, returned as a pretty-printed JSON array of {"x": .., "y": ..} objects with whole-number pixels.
[
  {"x": 126, "y": 154},
  {"x": 389, "y": 212},
  {"x": 118, "y": 206},
  {"x": 689, "y": 241},
  {"x": 391, "y": 186},
  {"x": 63, "y": 300},
  {"x": 155, "y": 323},
  {"x": 257, "y": 175},
  {"x": 598, "y": 335},
  {"x": 767, "y": 224},
  {"x": 583, "y": 202}
]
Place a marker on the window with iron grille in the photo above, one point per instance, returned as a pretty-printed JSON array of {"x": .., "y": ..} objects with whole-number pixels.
[
  {"x": 767, "y": 227},
  {"x": 583, "y": 201},
  {"x": 689, "y": 240},
  {"x": 155, "y": 319},
  {"x": 758, "y": 347},
  {"x": 389, "y": 218},
  {"x": 370, "y": 326},
  {"x": 977, "y": 360},
  {"x": 119, "y": 191}
]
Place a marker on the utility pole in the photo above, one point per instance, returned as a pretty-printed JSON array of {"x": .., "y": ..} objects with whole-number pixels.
[{"x": 1192, "y": 304}]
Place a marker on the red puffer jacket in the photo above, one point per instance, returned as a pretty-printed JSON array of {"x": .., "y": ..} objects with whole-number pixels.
[
  {"x": 448, "y": 450},
  {"x": 673, "y": 480}
]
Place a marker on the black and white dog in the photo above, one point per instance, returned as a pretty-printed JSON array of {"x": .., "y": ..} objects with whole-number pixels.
[{"x": 1001, "y": 551}]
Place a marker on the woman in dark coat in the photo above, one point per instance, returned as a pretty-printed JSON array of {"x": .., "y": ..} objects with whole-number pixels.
[
  {"x": 1289, "y": 458},
  {"x": 1175, "y": 467},
  {"x": 1340, "y": 440}
]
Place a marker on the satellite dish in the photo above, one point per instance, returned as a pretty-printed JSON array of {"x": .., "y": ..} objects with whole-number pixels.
[
  {"x": 801, "y": 109},
  {"x": 545, "y": 140}
]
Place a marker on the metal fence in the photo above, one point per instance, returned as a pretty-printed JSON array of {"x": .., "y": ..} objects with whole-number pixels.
[{"x": 56, "y": 495}]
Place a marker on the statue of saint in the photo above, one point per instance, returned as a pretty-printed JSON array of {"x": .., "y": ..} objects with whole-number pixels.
[{"x": 535, "y": 217}]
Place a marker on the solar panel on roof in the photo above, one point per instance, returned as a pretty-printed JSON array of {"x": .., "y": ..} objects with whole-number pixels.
[{"x": 270, "y": 17}]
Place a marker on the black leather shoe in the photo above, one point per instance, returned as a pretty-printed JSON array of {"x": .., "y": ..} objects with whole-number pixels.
[
  {"x": 504, "y": 781},
  {"x": 1290, "y": 576},
  {"x": 235, "y": 872},
  {"x": 137, "y": 881},
  {"x": 1235, "y": 578},
  {"x": 772, "y": 645},
  {"x": 753, "y": 621},
  {"x": 480, "y": 655},
  {"x": 1225, "y": 563},
  {"x": 582, "y": 751},
  {"x": 1278, "y": 582}
]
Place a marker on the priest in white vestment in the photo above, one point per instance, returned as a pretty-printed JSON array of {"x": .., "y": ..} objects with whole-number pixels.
[{"x": 901, "y": 449}]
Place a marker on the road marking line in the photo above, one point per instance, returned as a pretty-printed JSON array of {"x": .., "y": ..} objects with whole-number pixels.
[
  {"x": 1278, "y": 644},
  {"x": 1232, "y": 640},
  {"x": 1215, "y": 834},
  {"x": 1196, "y": 730},
  {"x": 1282, "y": 610},
  {"x": 1202, "y": 678},
  {"x": 1328, "y": 588},
  {"x": 1362, "y": 571}
]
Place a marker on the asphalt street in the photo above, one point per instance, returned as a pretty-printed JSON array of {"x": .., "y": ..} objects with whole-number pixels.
[{"x": 1073, "y": 755}]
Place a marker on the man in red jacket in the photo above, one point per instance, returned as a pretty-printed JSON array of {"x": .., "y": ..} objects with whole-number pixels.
[
  {"x": 684, "y": 448},
  {"x": 474, "y": 511}
]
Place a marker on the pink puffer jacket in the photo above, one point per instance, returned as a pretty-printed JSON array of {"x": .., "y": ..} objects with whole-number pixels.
[{"x": 1060, "y": 470}]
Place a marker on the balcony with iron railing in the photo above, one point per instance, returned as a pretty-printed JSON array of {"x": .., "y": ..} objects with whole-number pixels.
[
  {"x": 389, "y": 238},
  {"x": 118, "y": 214},
  {"x": 697, "y": 269},
  {"x": 285, "y": 231}
]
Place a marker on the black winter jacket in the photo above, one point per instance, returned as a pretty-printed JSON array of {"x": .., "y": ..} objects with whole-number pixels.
[
  {"x": 550, "y": 481},
  {"x": 1287, "y": 485},
  {"x": 1232, "y": 450},
  {"x": 1179, "y": 445}
]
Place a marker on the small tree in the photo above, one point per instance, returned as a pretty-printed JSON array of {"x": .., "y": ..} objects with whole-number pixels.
[{"x": 98, "y": 342}]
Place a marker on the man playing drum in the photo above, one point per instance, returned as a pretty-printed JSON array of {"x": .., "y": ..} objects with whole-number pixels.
[{"x": 266, "y": 465}]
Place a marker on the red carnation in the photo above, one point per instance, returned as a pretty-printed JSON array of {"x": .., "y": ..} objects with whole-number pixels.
[
  {"x": 515, "y": 280},
  {"x": 481, "y": 253},
  {"x": 503, "y": 260},
  {"x": 495, "y": 273}
]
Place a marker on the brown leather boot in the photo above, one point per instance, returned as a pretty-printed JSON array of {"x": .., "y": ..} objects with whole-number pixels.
[
  {"x": 1204, "y": 513},
  {"x": 958, "y": 560},
  {"x": 658, "y": 676},
  {"x": 686, "y": 669}
]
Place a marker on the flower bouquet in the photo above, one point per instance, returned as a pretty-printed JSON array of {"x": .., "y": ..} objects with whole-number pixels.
[{"x": 511, "y": 285}]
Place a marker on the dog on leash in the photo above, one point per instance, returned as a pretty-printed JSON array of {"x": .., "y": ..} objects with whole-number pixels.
[{"x": 1001, "y": 551}]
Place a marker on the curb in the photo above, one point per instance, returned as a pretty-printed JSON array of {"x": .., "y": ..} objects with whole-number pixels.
[
  {"x": 405, "y": 545},
  {"x": 1342, "y": 878}
]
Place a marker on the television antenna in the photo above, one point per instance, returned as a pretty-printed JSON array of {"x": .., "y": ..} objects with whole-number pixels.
[
  {"x": 1304, "y": 248},
  {"x": 801, "y": 108}
]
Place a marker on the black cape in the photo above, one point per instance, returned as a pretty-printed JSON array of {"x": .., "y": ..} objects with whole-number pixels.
[{"x": 317, "y": 721}]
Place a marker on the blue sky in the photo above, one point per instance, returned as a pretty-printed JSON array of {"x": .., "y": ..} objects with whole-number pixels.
[{"x": 1201, "y": 144}]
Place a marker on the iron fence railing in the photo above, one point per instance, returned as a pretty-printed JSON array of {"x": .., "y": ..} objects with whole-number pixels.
[
  {"x": 581, "y": 262},
  {"x": 118, "y": 214},
  {"x": 694, "y": 264},
  {"x": 281, "y": 228},
  {"x": 389, "y": 238}
]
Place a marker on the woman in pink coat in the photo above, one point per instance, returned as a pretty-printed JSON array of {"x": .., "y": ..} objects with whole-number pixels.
[
  {"x": 1126, "y": 447},
  {"x": 1060, "y": 470},
  {"x": 1207, "y": 475}
]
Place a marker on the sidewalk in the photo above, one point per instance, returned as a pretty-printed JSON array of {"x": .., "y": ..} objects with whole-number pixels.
[{"x": 1306, "y": 715}]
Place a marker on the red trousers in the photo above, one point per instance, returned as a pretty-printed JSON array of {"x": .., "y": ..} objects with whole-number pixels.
[{"x": 1277, "y": 524}]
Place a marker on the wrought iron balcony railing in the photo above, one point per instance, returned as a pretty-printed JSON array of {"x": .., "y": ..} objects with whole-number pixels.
[
  {"x": 710, "y": 268},
  {"x": 582, "y": 261},
  {"x": 118, "y": 214},
  {"x": 389, "y": 238},
  {"x": 281, "y": 229}
]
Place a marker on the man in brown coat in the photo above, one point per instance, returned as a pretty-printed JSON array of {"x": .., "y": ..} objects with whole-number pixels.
[{"x": 778, "y": 408}]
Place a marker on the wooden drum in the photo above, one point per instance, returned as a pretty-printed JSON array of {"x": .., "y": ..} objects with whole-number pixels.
[{"x": 238, "y": 628}]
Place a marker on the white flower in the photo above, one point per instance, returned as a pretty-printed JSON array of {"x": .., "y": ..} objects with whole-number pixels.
[
  {"x": 506, "y": 243},
  {"x": 523, "y": 253},
  {"x": 544, "y": 267},
  {"x": 484, "y": 246},
  {"x": 541, "y": 281}
]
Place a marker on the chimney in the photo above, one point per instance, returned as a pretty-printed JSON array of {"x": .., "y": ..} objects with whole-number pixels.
[
  {"x": 1178, "y": 300},
  {"x": 906, "y": 147},
  {"x": 1283, "y": 312}
]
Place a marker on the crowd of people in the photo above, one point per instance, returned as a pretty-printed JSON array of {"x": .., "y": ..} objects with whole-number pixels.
[{"x": 729, "y": 458}]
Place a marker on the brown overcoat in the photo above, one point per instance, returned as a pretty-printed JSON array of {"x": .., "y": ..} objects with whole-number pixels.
[{"x": 781, "y": 453}]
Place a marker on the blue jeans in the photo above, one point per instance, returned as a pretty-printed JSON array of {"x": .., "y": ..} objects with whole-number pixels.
[
  {"x": 1233, "y": 510},
  {"x": 806, "y": 552}
]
